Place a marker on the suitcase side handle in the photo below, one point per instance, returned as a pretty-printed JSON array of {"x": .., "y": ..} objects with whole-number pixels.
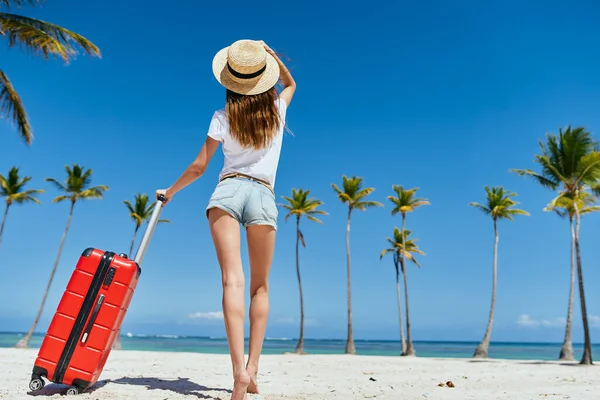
[{"x": 161, "y": 199}]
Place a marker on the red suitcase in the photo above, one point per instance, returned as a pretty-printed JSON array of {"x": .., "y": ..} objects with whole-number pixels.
[{"x": 89, "y": 316}]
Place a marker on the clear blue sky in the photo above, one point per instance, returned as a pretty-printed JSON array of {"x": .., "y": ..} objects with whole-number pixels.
[{"x": 439, "y": 96}]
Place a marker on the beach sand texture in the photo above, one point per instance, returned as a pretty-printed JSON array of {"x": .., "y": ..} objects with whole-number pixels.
[{"x": 173, "y": 376}]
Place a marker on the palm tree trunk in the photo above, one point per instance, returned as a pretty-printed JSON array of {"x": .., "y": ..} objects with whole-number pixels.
[
  {"x": 566, "y": 352},
  {"x": 587, "y": 344},
  {"x": 350, "y": 349},
  {"x": 24, "y": 342},
  {"x": 3, "y": 221},
  {"x": 137, "y": 227},
  {"x": 300, "y": 345},
  {"x": 402, "y": 341},
  {"x": 410, "y": 350},
  {"x": 482, "y": 349}
]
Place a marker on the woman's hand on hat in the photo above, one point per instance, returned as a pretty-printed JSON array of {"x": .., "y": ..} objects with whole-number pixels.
[{"x": 267, "y": 48}]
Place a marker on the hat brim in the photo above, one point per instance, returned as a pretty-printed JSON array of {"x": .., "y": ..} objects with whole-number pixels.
[{"x": 258, "y": 85}]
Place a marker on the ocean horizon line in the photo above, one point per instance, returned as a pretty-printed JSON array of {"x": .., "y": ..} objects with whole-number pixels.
[{"x": 285, "y": 339}]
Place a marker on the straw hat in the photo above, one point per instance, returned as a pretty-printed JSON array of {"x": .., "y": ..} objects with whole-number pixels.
[{"x": 245, "y": 67}]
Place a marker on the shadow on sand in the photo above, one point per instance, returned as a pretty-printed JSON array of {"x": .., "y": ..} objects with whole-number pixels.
[
  {"x": 562, "y": 363},
  {"x": 180, "y": 385},
  {"x": 52, "y": 389},
  {"x": 534, "y": 362}
]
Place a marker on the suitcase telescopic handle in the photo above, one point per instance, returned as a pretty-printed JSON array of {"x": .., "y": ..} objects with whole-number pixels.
[{"x": 161, "y": 199}]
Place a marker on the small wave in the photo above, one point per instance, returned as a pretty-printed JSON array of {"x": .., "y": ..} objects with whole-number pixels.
[
  {"x": 281, "y": 339},
  {"x": 135, "y": 335},
  {"x": 167, "y": 336}
]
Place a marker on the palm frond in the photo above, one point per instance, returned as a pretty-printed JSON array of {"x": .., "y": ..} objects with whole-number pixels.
[
  {"x": 9, "y": 3},
  {"x": 301, "y": 237},
  {"x": 386, "y": 251},
  {"x": 543, "y": 181},
  {"x": 363, "y": 205},
  {"x": 410, "y": 257},
  {"x": 60, "y": 199},
  {"x": 589, "y": 210},
  {"x": 589, "y": 172},
  {"x": 403, "y": 245},
  {"x": 129, "y": 206},
  {"x": 364, "y": 193},
  {"x": 300, "y": 204},
  {"x": 314, "y": 219},
  {"x": 58, "y": 185},
  {"x": 563, "y": 204},
  {"x": 500, "y": 204},
  {"x": 481, "y": 208},
  {"x": 93, "y": 193},
  {"x": 27, "y": 196},
  {"x": 509, "y": 213},
  {"x": 320, "y": 212},
  {"x": 12, "y": 107},
  {"x": 405, "y": 201},
  {"x": 342, "y": 196},
  {"x": 44, "y": 37}
]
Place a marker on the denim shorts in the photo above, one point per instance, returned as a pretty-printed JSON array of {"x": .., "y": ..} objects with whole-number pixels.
[{"x": 249, "y": 202}]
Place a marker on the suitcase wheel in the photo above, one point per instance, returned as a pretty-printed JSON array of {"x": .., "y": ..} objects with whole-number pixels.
[
  {"x": 73, "y": 390},
  {"x": 36, "y": 384}
]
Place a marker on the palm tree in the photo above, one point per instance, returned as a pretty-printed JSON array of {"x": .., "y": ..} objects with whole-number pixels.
[
  {"x": 353, "y": 194},
  {"x": 570, "y": 162},
  {"x": 499, "y": 206},
  {"x": 405, "y": 202},
  {"x": 400, "y": 253},
  {"x": 564, "y": 208},
  {"x": 11, "y": 188},
  {"x": 40, "y": 38},
  {"x": 140, "y": 212},
  {"x": 300, "y": 205},
  {"x": 76, "y": 187}
]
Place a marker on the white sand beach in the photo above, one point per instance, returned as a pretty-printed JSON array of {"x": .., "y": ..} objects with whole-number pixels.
[{"x": 173, "y": 376}]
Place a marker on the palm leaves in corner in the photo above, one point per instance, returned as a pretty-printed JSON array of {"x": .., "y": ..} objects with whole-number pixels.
[{"x": 39, "y": 38}]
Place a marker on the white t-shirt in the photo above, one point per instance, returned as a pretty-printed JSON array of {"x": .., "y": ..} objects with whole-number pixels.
[{"x": 261, "y": 163}]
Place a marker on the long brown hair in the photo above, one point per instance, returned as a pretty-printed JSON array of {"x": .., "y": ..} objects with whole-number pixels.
[{"x": 253, "y": 119}]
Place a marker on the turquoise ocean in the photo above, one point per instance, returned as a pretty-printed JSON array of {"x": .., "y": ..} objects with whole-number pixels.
[{"x": 512, "y": 350}]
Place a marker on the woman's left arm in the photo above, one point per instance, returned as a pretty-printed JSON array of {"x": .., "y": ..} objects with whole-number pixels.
[{"x": 194, "y": 170}]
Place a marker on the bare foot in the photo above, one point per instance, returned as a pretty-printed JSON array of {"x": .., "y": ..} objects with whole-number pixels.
[
  {"x": 253, "y": 386},
  {"x": 240, "y": 386}
]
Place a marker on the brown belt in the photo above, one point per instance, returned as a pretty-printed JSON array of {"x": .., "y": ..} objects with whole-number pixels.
[{"x": 244, "y": 176}]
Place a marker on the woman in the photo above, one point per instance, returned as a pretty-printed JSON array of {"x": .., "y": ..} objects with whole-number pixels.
[{"x": 250, "y": 129}]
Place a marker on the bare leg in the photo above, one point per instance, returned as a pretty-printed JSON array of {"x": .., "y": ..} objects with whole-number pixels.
[
  {"x": 225, "y": 231},
  {"x": 261, "y": 242}
]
